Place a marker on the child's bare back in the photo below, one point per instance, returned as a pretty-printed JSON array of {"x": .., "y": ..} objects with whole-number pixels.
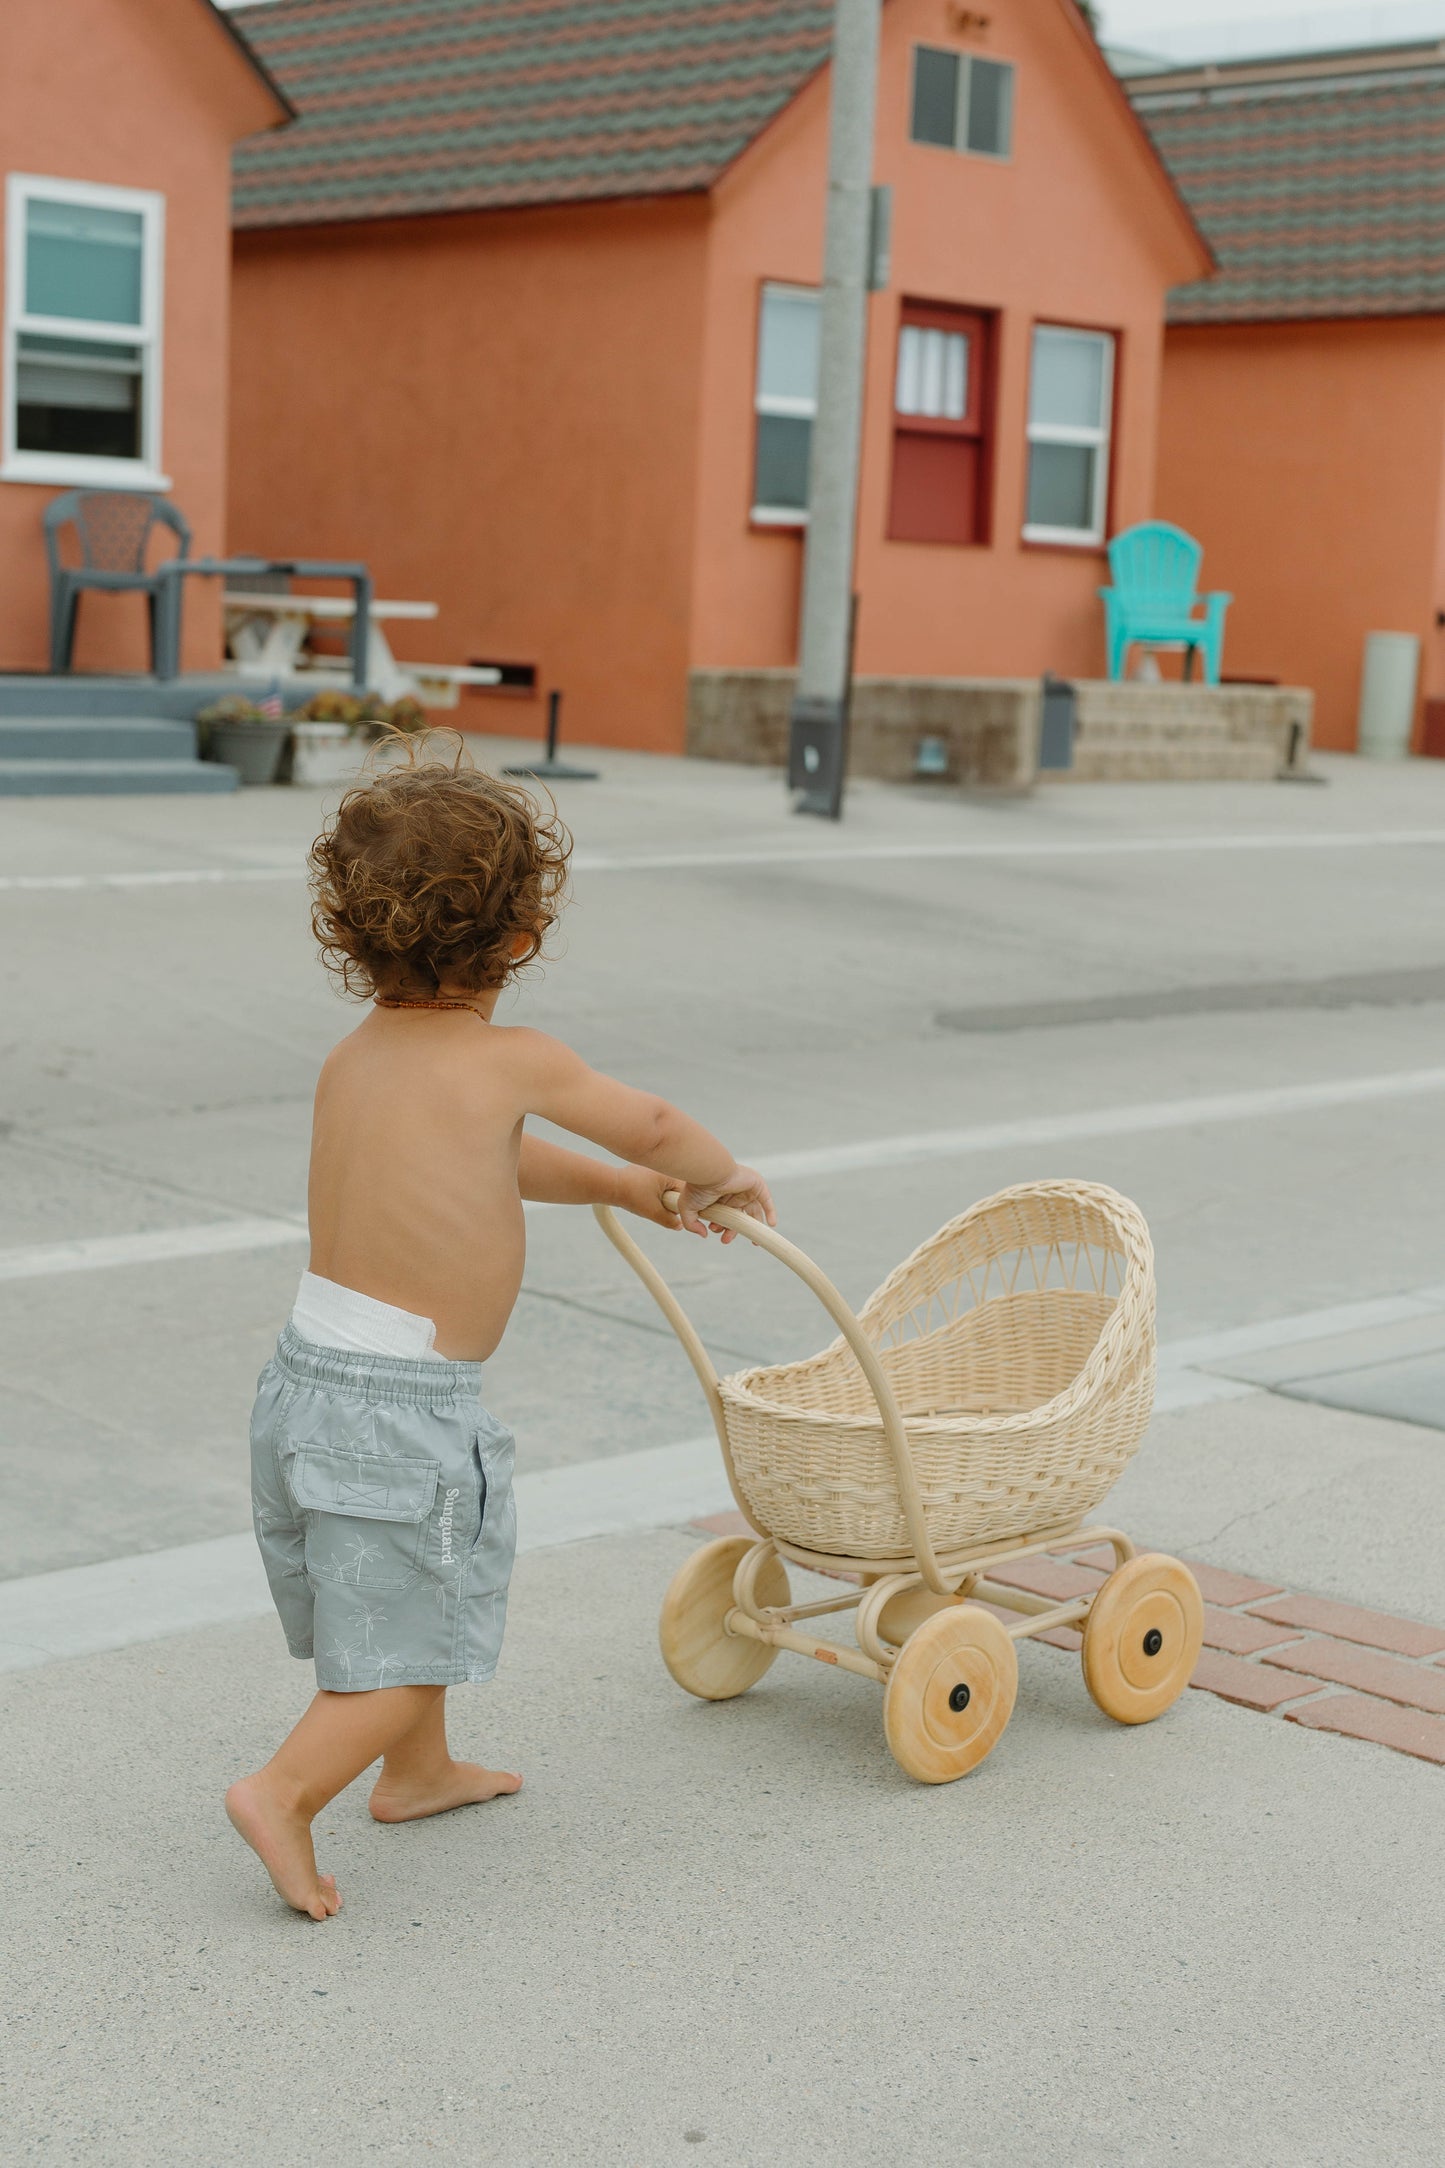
[
  {"x": 419, "y": 1161},
  {"x": 382, "y": 1486}
]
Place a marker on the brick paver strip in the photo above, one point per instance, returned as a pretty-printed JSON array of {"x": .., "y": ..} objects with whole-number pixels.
[
  {"x": 1249, "y": 1684},
  {"x": 1240, "y": 1635},
  {"x": 1216, "y": 1585},
  {"x": 1279, "y": 1657},
  {"x": 1356, "y": 1716},
  {"x": 723, "y": 1524},
  {"x": 1345, "y": 1663},
  {"x": 1229, "y": 1589},
  {"x": 1050, "y": 1577},
  {"x": 1377, "y": 1629}
]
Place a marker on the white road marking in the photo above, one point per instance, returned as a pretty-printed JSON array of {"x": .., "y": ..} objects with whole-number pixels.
[
  {"x": 84, "y": 1610},
  {"x": 1129, "y": 1120},
  {"x": 36, "y": 1260},
  {"x": 168, "y": 877},
  {"x": 1186, "y": 1379},
  {"x": 90, "y": 1253},
  {"x": 1130, "y": 846},
  {"x": 1329, "y": 1324},
  {"x": 1118, "y": 846}
]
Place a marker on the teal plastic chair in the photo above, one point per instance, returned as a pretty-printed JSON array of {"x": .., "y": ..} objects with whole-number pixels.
[{"x": 1154, "y": 597}]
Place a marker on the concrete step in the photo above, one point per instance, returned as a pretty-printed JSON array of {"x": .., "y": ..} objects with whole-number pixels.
[
  {"x": 110, "y": 778},
  {"x": 34, "y": 692},
  {"x": 99, "y": 737}
]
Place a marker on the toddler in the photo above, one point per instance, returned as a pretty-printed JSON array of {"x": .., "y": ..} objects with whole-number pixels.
[{"x": 381, "y": 1486}]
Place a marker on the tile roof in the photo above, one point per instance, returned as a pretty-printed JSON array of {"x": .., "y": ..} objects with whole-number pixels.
[
  {"x": 412, "y": 106},
  {"x": 1319, "y": 198}
]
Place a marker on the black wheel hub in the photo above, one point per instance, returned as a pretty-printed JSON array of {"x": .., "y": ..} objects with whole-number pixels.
[
  {"x": 1153, "y": 1641},
  {"x": 959, "y": 1699}
]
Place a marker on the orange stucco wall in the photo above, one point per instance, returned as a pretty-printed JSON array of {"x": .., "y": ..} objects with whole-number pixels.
[
  {"x": 543, "y": 420},
  {"x": 1308, "y": 459},
  {"x": 1074, "y": 228},
  {"x": 135, "y": 94},
  {"x": 499, "y": 413}
]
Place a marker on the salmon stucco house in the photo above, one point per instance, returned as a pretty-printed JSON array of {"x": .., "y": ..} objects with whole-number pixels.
[
  {"x": 525, "y": 313},
  {"x": 117, "y": 122},
  {"x": 1303, "y": 427}
]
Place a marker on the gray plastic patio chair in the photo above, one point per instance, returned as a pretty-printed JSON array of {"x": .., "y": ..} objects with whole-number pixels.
[{"x": 113, "y": 528}]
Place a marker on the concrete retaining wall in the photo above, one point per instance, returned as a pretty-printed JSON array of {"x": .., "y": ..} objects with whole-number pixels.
[{"x": 1126, "y": 733}]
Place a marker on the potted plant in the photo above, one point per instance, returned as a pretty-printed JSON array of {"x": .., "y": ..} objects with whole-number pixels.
[
  {"x": 323, "y": 738},
  {"x": 244, "y": 735}
]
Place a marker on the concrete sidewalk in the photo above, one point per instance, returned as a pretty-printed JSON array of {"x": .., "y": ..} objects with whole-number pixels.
[
  {"x": 727, "y": 1932},
  {"x": 738, "y": 1932}
]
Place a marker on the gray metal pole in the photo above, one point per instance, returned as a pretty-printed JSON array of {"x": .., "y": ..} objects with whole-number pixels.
[{"x": 816, "y": 752}]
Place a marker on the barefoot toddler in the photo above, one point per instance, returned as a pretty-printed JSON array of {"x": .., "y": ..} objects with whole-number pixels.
[{"x": 381, "y": 1486}]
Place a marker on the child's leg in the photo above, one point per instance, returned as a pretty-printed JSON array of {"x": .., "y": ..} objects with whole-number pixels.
[
  {"x": 338, "y": 1737},
  {"x": 419, "y": 1777}
]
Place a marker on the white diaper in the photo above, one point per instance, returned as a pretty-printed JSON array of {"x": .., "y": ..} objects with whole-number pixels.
[{"x": 332, "y": 1316}]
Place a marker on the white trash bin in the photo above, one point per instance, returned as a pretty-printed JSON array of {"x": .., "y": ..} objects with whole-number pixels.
[{"x": 1387, "y": 694}]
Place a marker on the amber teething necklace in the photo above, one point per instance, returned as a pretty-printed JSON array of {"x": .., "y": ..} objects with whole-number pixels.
[{"x": 383, "y": 1001}]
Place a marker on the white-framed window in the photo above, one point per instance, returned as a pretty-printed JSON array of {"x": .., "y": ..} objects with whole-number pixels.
[
  {"x": 962, "y": 102},
  {"x": 785, "y": 400},
  {"x": 1071, "y": 403},
  {"x": 83, "y": 274}
]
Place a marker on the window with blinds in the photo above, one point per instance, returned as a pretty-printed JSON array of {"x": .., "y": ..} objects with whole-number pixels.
[{"x": 82, "y": 330}]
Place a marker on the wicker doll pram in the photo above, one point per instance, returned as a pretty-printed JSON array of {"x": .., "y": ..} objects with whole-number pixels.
[{"x": 974, "y": 1412}]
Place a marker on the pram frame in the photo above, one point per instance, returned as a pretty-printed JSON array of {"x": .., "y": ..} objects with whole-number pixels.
[
  {"x": 948, "y": 1577},
  {"x": 918, "y": 1620}
]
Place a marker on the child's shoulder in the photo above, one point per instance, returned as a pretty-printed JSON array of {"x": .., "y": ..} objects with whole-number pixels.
[{"x": 534, "y": 1053}]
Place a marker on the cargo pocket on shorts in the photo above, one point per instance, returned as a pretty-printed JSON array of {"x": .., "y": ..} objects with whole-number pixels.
[{"x": 365, "y": 1513}]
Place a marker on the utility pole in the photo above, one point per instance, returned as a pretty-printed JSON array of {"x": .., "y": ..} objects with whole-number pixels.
[{"x": 816, "y": 751}]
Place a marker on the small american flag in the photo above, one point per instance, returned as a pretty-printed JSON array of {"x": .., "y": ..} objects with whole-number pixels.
[{"x": 271, "y": 706}]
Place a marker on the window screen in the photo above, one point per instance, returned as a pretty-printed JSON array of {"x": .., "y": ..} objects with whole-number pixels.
[
  {"x": 935, "y": 96},
  {"x": 83, "y": 261},
  {"x": 990, "y": 99}
]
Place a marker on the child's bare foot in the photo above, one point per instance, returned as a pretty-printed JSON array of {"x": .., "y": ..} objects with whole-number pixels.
[
  {"x": 281, "y": 1840},
  {"x": 459, "y": 1784}
]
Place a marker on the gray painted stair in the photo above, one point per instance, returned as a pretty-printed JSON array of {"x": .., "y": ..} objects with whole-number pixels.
[
  {"x": 31, "y": 693},
  {"x": 95, "y": 737},
  {"x": 46, "y": 756},
  {"x": 110, "y": 778}
]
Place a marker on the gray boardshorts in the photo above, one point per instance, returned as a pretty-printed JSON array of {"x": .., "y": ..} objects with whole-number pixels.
[{"x": 382, "y": 1496}]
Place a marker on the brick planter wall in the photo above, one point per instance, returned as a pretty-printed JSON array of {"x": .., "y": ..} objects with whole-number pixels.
[{"x": 1127, "y": 733}]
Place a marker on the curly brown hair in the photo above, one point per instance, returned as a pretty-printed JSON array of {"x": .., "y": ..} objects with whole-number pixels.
[{"x": 428, "y": 874}]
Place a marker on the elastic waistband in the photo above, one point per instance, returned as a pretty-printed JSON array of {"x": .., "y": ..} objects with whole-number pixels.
[{"x": 428, "y": 1384}]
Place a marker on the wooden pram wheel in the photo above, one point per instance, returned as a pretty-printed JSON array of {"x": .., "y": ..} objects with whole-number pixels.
[
  {"x": 702, "y": 1657},
  {"x": 1142, "y": 1638},
  {"x": 950, "y": 1694}
]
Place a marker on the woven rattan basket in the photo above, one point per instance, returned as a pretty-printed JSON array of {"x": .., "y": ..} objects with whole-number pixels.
[{"x": 1019, "y": 1342}]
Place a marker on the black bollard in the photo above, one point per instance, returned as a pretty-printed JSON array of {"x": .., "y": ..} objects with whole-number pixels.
[{"x": 553, "y": 770}]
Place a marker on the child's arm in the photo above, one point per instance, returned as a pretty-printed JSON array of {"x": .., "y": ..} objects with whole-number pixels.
[
  {"x": 550, "y": 1174},
  {"x": 639, "y": 1127}
]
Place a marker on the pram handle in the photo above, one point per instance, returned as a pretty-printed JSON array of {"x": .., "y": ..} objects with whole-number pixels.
[{"x": 866, "y": 1355}]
